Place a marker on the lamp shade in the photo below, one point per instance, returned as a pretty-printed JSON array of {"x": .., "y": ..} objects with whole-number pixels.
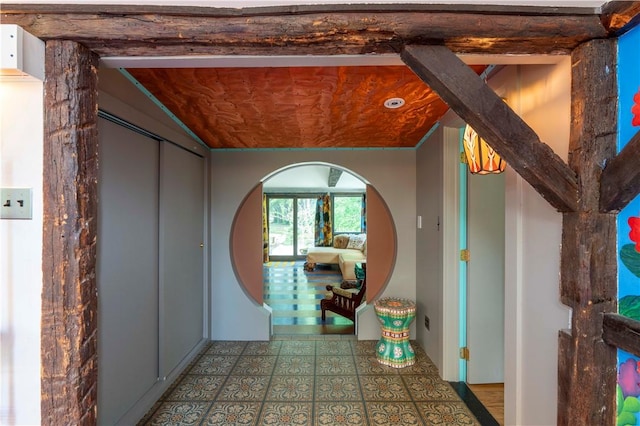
[{"x": 481, "y": 158}]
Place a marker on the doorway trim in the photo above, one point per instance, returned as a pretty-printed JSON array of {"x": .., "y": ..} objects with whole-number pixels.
[
  {"x": 246, "y": 245},
  {"x": 451, "y": 254}
]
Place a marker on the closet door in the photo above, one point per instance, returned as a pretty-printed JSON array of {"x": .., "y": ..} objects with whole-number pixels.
[
  {"x": 182, "y": 262},
  {"x": 127, "y": 269}
]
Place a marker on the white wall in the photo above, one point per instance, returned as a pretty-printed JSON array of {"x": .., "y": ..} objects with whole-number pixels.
[
  {"x": 234, "y": 174},
  {"x": 21, "y": 135},
  {"x": 541, "y": 94},
  {"x": 437, "y": 245},
  {"x": 429, "y": 246}
]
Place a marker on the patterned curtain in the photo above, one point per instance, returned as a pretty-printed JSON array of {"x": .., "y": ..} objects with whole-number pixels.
[
  {"x": 265, "y": 230},
  {"x": 323, "y": 228},
  {"x": 363, "y": 218}
]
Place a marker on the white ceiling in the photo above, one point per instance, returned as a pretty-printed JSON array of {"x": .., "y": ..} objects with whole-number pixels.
[{"x": 311, "y": 178}]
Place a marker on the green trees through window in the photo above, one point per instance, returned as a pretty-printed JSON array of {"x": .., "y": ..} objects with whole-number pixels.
[
  {"x": 292, "y": 220},
  {"x": 347, "y": 214}
]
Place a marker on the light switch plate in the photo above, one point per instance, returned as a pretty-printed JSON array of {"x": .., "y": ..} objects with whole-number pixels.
[{"x": 15, "y": 203}]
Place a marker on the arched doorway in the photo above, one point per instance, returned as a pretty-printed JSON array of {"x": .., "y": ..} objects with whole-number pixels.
[{"x": 247, "y": 243}]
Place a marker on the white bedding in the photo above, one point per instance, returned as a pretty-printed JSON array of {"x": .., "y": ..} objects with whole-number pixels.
[{"x": 331, "y": 254}]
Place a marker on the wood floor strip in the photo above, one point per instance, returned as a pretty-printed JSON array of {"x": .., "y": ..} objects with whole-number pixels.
[{"x": 492, "y": 397}]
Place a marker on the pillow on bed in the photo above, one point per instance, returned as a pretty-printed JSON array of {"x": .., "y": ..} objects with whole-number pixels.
[
  {"x": 357, "y": 241},
  {"x": 341, "y": 241}
]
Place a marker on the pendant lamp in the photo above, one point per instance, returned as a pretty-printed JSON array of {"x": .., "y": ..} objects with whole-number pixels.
[{"x": 481, "y": 158}]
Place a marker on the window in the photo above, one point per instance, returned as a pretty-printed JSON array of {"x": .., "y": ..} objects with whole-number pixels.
[
  {"x": 281, "y": 226},
  {"x": 291, "y": 219},
  {"x": 291, "y": 224},
  {"x": 347, "y": 214}
]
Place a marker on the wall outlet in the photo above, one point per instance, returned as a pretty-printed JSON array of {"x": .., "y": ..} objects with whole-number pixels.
[
  {"x": 15, "y": 203},
  {"x": 426, "y": 322}
]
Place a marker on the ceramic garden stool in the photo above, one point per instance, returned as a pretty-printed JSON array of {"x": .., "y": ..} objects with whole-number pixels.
[{"x": 396, "y": 315}]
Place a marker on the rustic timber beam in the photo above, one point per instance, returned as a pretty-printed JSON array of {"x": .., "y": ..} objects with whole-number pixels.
[
  {"x": 491, "y": 117},
  {"x": 622, "y": 332},
  {"x": 334, "y": 177},
  {"x": 620, "y": 181},
  {"x": 620, "y": 16},
  {"x": 298, "y": 9},
  {"x": 69, "y": 291},
  {"x": 588, "y": 267},
  {"x": 296, "y": 30}
]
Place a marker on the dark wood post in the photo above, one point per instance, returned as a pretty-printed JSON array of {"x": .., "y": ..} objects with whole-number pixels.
[
  {"x": 69, "y": 297},
  {"x": 586, "y": 364}
]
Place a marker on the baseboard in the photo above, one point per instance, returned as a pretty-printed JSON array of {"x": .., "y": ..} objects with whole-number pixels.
[
  {"x": 473, "y": 403},
  {"x": 145, "y": 403}
]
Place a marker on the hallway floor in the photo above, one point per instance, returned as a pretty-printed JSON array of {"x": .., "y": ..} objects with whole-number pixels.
[
  {"x": 307, "y": 380},
  {"x": 294, "y": 295}
]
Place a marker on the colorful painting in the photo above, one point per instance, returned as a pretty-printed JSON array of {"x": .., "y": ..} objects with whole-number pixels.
[{"x": 628, "y": 389}]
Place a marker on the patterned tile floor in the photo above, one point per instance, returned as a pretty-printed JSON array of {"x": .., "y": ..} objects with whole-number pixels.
[{"x": 317, "y": 380}]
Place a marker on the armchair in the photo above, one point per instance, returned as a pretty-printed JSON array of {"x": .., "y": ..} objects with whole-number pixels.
[{"x": 343, "y": 302}]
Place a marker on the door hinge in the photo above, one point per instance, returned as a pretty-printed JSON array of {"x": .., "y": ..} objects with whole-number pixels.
[
  {"x": 464, "y": 353},
  {"x": 463, "y": 158},
  {"x": 465, "y": 255}
]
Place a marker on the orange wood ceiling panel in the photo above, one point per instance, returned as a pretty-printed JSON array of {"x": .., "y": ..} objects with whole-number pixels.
[{"x": 298, "y": 107}]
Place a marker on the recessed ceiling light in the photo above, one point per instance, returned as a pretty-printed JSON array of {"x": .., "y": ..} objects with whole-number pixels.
[{"x": 393, "y": 103}]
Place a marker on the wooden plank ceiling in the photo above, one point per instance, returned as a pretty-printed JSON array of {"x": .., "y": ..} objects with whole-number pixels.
[{"x": 298, "y": 107}]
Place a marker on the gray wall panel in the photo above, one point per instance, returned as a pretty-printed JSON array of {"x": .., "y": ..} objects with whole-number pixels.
[
  {"x": 182, "y": 233},
  {"x": 127, "y": 269}
]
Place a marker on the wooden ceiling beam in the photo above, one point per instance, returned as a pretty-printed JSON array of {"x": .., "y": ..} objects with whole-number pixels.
[
  {"x": 338, "y": 29},
  {"x": 477, "y": 104},
  {"x": 299, "y": 9},
  {"x": 620, "y": 180},
  {"x": 618, "y": 16},
  {"x": 334, "y": 177},
  {"x": 621, "y": 332}
]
